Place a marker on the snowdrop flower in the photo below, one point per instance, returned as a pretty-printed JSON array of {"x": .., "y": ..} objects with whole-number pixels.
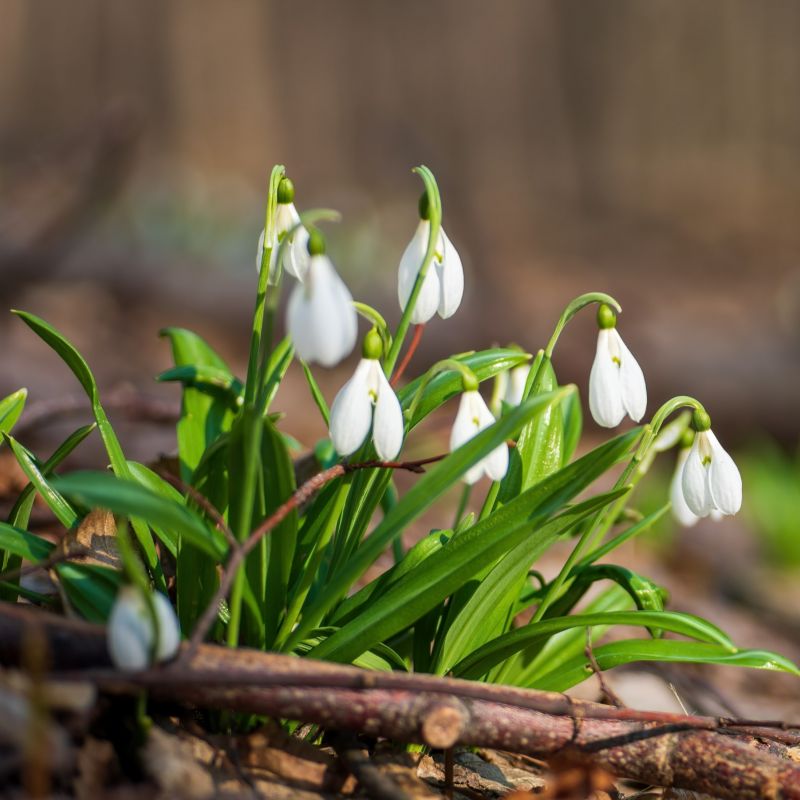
[
  {"x": 472, "y": 417},
  {"x": 295, "y": 253},
  {"x": 130, "y": 629},
  {"x": 680, "y": 509},
  {"x": 517, "y": 378},
  {"x": 367, "y": 400},
  {"x": 616, "y": 382},
  {"x": 710, "y": 480},
  {"x": 321, "y": 317},
  {"x": 443, "y": 286}
]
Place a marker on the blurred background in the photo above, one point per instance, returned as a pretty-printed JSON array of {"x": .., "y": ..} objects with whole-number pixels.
[{"x": 647, "y": 149}]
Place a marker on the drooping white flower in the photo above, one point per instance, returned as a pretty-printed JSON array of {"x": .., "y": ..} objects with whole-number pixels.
[
  {"x": 517, "y": 378},
  {"x": 710, "y": 479},
  {"x": 367, "y": 400},
  {"x": 131, "y": 634},
  {"x": 616, "y": 382},
  {"x": 443, "y": 286},
  {"x": 472, "y": 417},
  {"x": 295, "y": 252},
  {"x": 320, "y": 317},
  {"x": 680, "y": 510}
]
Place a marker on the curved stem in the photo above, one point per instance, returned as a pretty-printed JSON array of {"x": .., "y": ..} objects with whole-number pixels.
[{"x": 412, "y": 348}]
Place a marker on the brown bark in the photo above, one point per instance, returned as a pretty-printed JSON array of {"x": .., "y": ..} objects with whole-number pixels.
[{"x": 431, "y": 710}]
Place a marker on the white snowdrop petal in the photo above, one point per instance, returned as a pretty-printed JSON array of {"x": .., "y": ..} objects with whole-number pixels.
[
  {"x": 351, "y": 412},
  {"x": 605, "y": 400},
  {"x": 725, "y": 482},
  {"x": 169, "y": 632},
  {"x": 694, "y": 481},
  {"x": 296, "y": 259},
  {"x": 388, "y": 425},
  {"x": 518, "y": 377},
  {"x": 680, "y": 510},
  {"x": 321, "y": 319},
  {"x": 632, "y": 386},
  {"x": 496, "y": 463},
  {"x": 467, "y": 421},
  {"x": 129, "y": 637},
  {"x": 410, "y": 263},
  {"x": 473, "y": 474},
  {"x": 451, "y": 278}
]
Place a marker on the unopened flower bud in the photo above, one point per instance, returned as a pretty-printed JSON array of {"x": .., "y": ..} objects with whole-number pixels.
[{"x": 285, "y": 191}]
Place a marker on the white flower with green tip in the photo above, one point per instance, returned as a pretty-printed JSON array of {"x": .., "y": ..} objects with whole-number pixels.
[
  {"x": 367, "y": 401},
  {"x": 616, "y": 382}
]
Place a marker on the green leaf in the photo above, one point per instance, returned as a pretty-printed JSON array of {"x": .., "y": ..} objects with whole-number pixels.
[
  {"x": 73, "y": 359},
  {"x": 573, "y": 425},
  {"x": 539, "y": 446},
  {"x": 426, "y": 491},
  {"x": 485, "y": 364},
  {"x": 91, "y": 589},
  {"x": 100, "y": 489},
  {"x": 217, "y": 383},
  {"x": 316, "y": 393},
  {"x": 23, "y": 544},
  {"x": 630, "y": 651},
  {"x": 203, "y": 417},
  {"x": 11, "y": 408},
  {"x": 279, "y": 360},
  {"x": 278, "y": 487},
  {"x": 445, "y": 571},
  {"x": 155, "y": 483},
  {"x": 479, "y": 662},
  {"x": 493, "y": 599},
  {"x": 19, "y": 516},
  {"x": 63, "y": 511},
  {"x": 381, "y": 657}
]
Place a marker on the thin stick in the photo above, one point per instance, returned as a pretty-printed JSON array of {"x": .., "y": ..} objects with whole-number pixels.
[
  {"x": 203, "y": 502},
  {"x": 76, "y": 552},
  {"x": 412, "y": 348}
]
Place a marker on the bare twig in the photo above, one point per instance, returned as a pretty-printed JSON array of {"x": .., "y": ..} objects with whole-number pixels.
[
  {"x": 202, "y": 502},
  {"x": 412, "y": 348},
  {"x": 690, "y": 752},
  {"x": 607, "y": 693},
  {"x": 59, "y": 557}
]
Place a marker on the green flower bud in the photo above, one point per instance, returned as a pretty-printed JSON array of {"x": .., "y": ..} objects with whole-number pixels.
[
  {"x": 469, "y": 382},
  {"x": 700, "y": 420},
  {"x": 316, "y": 243},
  {"x": 373, "y": 345},
  {"x": 606, "y": 318},
  {"x": 687, "y": 437},
  {"x": 285, "y": 191},
  {"x": 424, "y": 206}
]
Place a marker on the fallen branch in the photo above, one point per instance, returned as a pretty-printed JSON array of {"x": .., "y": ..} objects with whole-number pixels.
[{"x": 696, "y": 753}]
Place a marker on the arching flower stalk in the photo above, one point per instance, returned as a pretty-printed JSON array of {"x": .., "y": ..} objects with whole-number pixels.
[
  {"x": 616, "y": 382},
  {"x": 321, "y": 318},
  {"x": 368, "y": 401},
  {"x": 443, "y": 286}
]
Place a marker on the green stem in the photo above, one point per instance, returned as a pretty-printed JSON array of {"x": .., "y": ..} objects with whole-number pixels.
[
  {"x": 435, "y": 206},
  {"x": 463, "y": 500},
  {"x": 605, "y": 519}
]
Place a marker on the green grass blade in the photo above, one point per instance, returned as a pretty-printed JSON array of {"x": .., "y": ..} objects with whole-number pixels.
[
  {"x": 443, "y": 572},
  {"x": 24, "y": 544},
  {"x": 73, "y": 359},
  {"x": 63, "y": 511},
  {"x": 479, "y": 662},
  {"x": 630, "y": 651},
  {"x": 11, "y": 408}
]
